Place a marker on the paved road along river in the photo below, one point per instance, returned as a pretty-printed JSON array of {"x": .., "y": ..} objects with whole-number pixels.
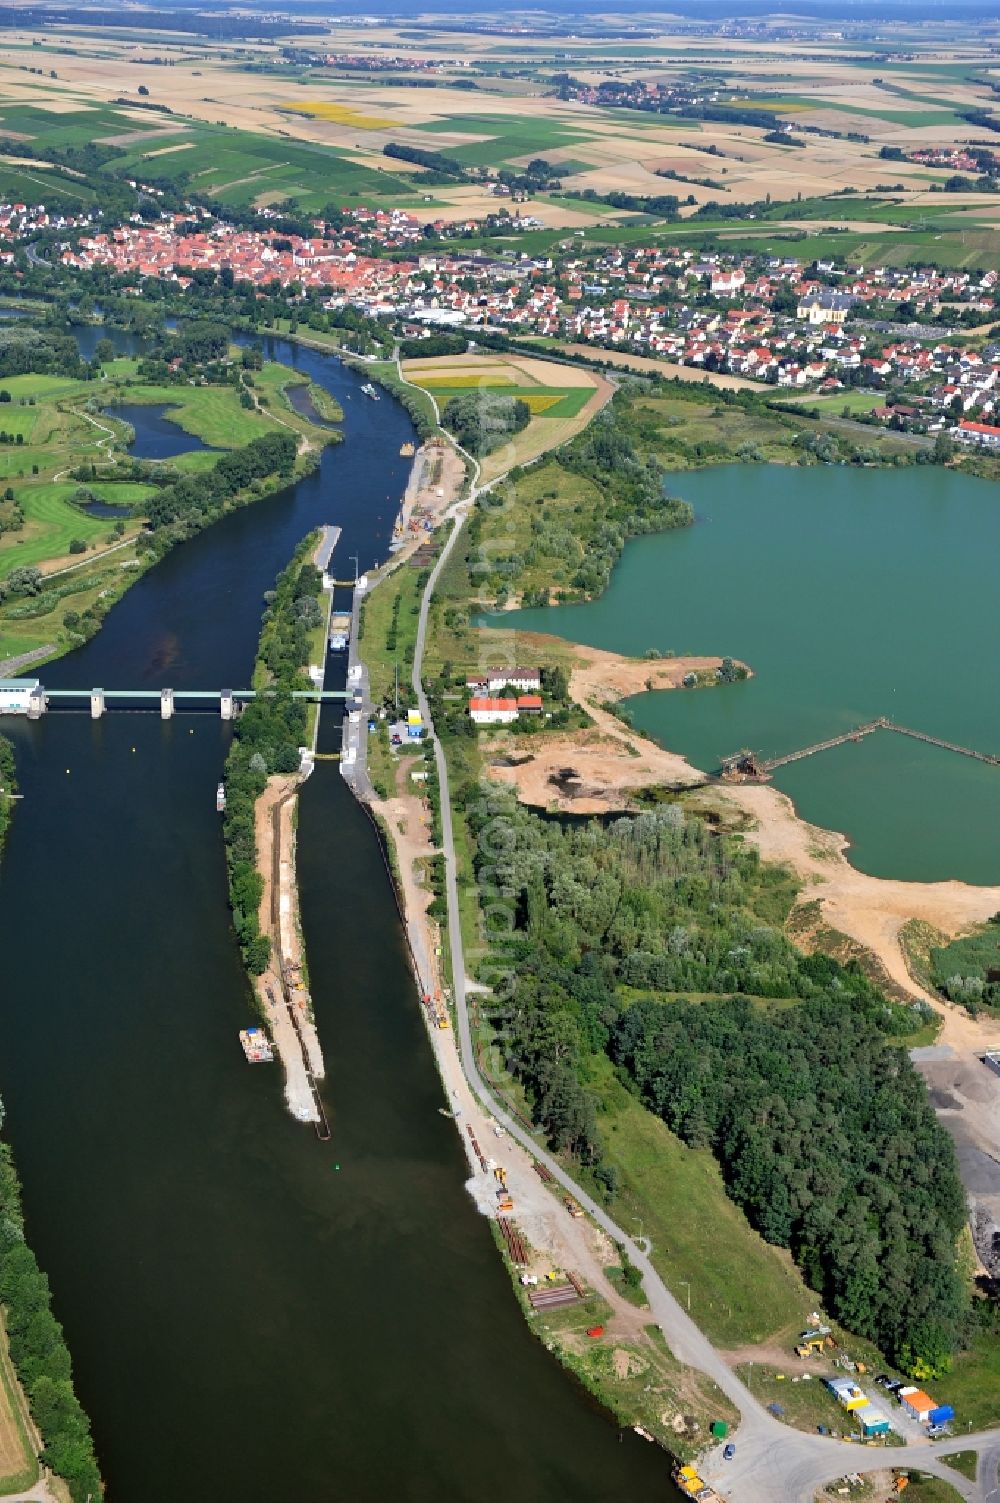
[{"x": 253, "y": 1314}]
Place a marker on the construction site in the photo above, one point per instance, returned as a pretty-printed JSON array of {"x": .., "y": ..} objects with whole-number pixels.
[{"x": 746, "y": 766}]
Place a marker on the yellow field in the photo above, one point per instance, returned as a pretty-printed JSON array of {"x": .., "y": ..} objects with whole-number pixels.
[
  {"x": 339, "y": 114},
  {"x": 538, "y": 404},
  {"x": 460, "y": 378}
]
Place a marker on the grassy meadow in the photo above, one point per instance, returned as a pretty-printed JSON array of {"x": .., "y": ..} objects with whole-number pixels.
[{"x": 60, "y": 434}]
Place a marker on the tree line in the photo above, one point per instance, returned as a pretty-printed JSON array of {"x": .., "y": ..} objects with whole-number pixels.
[
  {"x": 483, "y": 420},
  {"x": 267, "y": 737},
  {"x": 821, "y": 1125},
  {"x": 192, "y": 502},
  {"x": 26, "y": 350}
]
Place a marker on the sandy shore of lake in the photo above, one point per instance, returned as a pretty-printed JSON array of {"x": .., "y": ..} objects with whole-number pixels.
[{"x": 610, "y": 763}]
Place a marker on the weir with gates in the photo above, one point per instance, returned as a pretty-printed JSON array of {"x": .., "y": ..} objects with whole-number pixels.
[
  {"x": 230, "y": 701},
  {"x": 746, "y": 766}
]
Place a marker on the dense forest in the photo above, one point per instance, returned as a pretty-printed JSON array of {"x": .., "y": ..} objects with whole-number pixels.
[
  {"x": 827, "y": 1140},
  {"x": 439, "y": 168},
  {"x": 821, "y": 1125},
  {"x": 24, "y": 349},
  {"x": 267, "y": 737}
]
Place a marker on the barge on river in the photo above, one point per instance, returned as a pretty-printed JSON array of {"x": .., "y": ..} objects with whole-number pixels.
[
  {"x": 688, "y": 1482},
  {"x": 256, "y": 1046}
]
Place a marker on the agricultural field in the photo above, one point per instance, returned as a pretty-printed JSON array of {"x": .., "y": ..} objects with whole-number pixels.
[
  {"x": 562, "y": 398},
  {"x": 240, "y": 127}
]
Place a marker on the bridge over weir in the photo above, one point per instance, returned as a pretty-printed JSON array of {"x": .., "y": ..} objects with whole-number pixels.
[
  {"x": 169, "y": 701},
  {"x": 747, "y": 766}
]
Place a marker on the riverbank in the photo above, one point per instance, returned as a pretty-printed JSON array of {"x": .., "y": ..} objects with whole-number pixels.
[
  {"x": 264, "y": 772},
  {"x": 282, "y": 989},
  {"x": 630, "y": 1371}
]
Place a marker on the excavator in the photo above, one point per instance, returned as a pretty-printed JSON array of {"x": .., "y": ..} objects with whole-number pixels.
[{"x": 813, "y": 1343}]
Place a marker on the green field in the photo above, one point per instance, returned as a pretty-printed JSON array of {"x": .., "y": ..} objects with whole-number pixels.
[
  {"x": 238, "y": 166},
  {"x": 966, "y": 1462},
  {"x": 846, "y": 402},
  {"x": 233, "y": 165},
  {"x": 973, "y": 1385},
  {"x": 388, "y": 646},
  {"x": 508, "y": 137},
  {"x": 52, "y": 523},
  {"x": 741, "y": 1290}
]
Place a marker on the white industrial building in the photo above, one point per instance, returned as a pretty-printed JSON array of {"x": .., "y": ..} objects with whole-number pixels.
[{"x": 15, "y": 695}]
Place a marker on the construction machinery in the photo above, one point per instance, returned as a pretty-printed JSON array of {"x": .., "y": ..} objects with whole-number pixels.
[
  {"x": 504, "y": 1200},
  {"x": 812, "y": 1343},
  {"x": 687, "y": 1481}
]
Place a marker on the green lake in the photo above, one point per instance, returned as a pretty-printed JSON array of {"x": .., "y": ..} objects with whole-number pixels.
[{"x": 852, "y": 594}]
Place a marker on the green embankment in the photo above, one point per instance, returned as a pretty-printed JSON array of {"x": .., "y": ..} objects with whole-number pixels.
[
  {"x": 742, "y": 1291},
  {"x": 966, "y": 1462},
  {"x": 267, "y": 737}
]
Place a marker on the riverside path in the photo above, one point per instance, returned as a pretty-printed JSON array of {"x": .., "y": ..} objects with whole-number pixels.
[{"x": 773, "y": 1463}]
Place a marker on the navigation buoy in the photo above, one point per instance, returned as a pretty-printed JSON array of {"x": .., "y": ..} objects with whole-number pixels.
[
  {"x": 133, "y": 748},
  {"x": 67, "y": 772}
]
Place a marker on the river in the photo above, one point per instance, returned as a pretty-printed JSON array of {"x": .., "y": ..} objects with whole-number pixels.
[
  {"x": 852, "y": 594},
  {"x": 253, "y": 1314}
]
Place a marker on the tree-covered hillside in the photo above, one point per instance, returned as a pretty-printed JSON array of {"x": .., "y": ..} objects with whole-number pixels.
[{"x": 820, "y": 1123}]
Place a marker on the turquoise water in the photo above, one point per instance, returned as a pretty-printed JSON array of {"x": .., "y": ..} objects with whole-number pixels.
[{"x": 851, "y": 594}]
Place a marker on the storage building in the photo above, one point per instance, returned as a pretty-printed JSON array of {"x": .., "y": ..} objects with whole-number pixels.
[
  {"x": 917, "y": 1404},
  {"x": 492, "y": 680},
  {"x": 847, "y": 1393}
]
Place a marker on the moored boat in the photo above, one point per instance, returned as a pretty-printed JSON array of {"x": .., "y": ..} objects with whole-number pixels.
[{"x": 256, "y": 1046}]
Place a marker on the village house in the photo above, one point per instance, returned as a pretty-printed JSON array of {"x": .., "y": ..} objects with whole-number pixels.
[{"x": 492, "y": 680}]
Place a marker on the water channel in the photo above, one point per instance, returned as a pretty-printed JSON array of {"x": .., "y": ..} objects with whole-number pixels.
[
  {"x": 253, "y": 1314},
  {"x": 852, "y": 594}
]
